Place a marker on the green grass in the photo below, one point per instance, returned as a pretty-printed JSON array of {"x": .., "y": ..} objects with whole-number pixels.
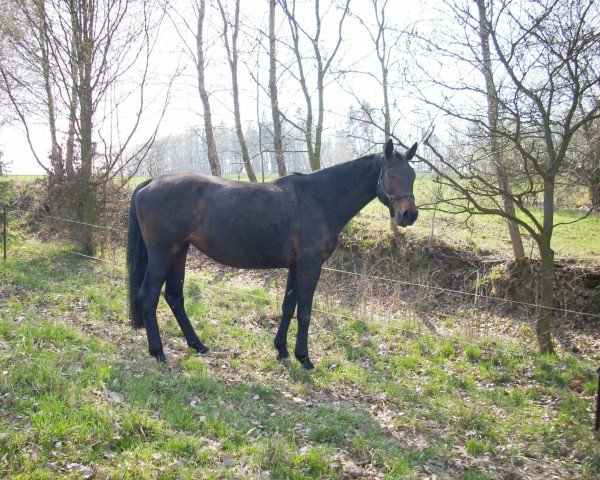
[
  {"x": 79, "y": 394},
  {"x": 482, "y": 233},
  {"x": 22, "y": 178}
]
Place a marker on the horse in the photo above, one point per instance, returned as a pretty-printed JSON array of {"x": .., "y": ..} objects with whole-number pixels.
[{"x": 293, "y": 222}]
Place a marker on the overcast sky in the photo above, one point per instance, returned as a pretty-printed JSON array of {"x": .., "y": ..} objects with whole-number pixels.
[{"x": 171, "y": 61}]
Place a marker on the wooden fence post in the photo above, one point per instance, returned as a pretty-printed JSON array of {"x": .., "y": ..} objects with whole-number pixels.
[
  {"x": 4, "y": 229},
  {"x": 597, "y": 423}
]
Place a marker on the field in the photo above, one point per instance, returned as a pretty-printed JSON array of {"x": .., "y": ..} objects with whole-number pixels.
[
  {"x": 80, "y": 398},
  {"x": 411, "y": 382}
]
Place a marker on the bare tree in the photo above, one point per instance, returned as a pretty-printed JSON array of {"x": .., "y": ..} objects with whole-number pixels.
[
  {"x": 378, "y": 33},
  {"x": 73, "y": 56},
  {"x": 232, "y": 57},
  {"x": 545, "y": 54},
  {"x": 273, "y": 93},
  {"x": 587, "y": 155},
  {"x": 493, "y": 113},
  {"x": 3, "y": 165},
  {"x": 323, "y": 63},
  {"x": 198, "y": 53},
  {"x": 213, "y": 157}
]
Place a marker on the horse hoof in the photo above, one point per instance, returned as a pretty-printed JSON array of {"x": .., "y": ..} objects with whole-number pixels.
[
  {"x": 282, "y": 356},
  {"x": 159, "y": 355},
  {"x": 306, "y": 363},
  {"x": 202, "y": 349}
]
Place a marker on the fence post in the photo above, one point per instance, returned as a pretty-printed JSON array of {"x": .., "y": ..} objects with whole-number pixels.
[
  {"x": 597, "y": 424},
  {"x": 4, "y": 223}
]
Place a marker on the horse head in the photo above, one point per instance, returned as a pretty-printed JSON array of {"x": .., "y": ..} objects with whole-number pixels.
[{"x": 395, "y": 185}]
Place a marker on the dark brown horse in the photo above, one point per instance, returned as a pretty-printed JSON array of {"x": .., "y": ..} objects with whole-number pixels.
[{"x": 292, "y": 223}]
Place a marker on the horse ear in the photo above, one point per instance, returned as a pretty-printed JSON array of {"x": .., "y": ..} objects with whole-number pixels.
[
  {"x": 389, "y": 149},
  {"x": 411, "y": 152}
]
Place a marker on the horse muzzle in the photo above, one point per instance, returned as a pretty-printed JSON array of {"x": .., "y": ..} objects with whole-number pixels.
[{"x": 405, "y": 218}]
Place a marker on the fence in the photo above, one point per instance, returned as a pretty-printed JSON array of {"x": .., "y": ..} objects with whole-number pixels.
[
  {"x": 375, "y": 278},
  {"x": 475, "y": 295}
]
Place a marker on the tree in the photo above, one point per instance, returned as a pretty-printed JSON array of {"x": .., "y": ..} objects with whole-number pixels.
[
  {"x": 313, "y": 134},
  {"x": 273, "y": 93},
  {"x": 73, "y": 56},
  {"x": 213, "y": 157},
  {"x": 545, "y": 56},
  {"x": 385, "y": 58},
  {"x": 231, "y": 47},
  {"x": 378, "y": 32},
  {"x": 495, "y": 144},
  {"x": 3, "y": 165},
  {"x": 587, "y": 155},
  {"x": 198, "y": 53}
]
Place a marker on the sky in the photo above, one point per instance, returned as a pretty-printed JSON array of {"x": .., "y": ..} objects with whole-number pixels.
[{"x": 171, "y": 63}]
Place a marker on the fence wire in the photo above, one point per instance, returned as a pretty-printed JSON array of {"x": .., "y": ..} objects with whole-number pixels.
[
  {"x": 357, "y": 274},
  {"x": 274, "y": 301}
]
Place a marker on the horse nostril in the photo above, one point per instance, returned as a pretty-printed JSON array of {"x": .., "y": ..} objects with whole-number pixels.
[{"x": 409, "y": 216}]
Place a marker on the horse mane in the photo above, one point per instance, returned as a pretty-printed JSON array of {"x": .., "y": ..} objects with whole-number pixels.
[{"x": 330, "y": 183}]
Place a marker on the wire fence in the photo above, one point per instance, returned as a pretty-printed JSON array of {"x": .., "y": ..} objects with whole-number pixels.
[
  {"x": 377, "y": 278},
  {"x": 396, "y": 325}
]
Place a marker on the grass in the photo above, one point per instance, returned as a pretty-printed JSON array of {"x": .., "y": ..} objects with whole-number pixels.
[
  {"x": 80, "y": 397},
  {"x": 23, "y": 178},
  {"x": 489, "y": 234}
]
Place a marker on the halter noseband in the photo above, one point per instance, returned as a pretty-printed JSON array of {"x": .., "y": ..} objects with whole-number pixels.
[{"x": 386, "y": 197}]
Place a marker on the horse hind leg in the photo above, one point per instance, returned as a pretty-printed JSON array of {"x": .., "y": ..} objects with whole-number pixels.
[
  {"x": 308, "y": 276},
  {"x": 149, "y": 295},
  {"x": 287, "y": 312},
  {"x": 174, "y": 297}
]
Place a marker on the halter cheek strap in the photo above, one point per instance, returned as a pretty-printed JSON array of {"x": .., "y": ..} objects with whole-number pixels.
[
  {"x": 386, "y": 197},
  {"x": 391, "y": 198}
]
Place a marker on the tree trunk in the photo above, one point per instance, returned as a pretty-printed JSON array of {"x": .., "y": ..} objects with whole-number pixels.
[
  {"x": 88, "y": 202},
  {"x": 74, "y": 106},
  {"x": 543, "y": 326},
  {"x": 492, "y": 110},
  {"x": 213, "y": 157},
  {"x": 316, "y": 158},
  {"x": 277, "y": 143},
  {"x": 387, "y": 118},
  {"x": 82, "y": 18},
  {"x": 56, "y": 153},
  {"x": 594, "y": 190},
  {"x": 70, "y": 154},
  {"x": 508, "y": 205},
  {"x": 232, "y": 55}
]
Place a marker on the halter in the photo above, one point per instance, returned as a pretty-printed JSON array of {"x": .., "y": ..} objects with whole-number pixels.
[{"x": 386, "y": 197}]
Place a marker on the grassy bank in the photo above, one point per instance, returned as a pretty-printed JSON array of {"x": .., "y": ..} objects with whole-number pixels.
[{"x": 80, "y": 397}]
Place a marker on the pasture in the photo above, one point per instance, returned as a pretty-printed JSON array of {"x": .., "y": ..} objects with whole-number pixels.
[
  {"x": 410, "y": 382},
  {"x": 81, "y": 398}
]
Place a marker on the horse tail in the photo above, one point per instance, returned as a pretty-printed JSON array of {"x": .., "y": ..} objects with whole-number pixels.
[{"x": 137, "y": 261}]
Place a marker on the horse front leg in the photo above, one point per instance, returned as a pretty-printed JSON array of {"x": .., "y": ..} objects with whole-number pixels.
[
  {"x": 288, "y": 308},
  {"x": 308, "y": 276}
]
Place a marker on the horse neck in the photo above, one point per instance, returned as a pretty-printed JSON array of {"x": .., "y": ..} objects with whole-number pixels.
[{"x": 352, "y": 188}]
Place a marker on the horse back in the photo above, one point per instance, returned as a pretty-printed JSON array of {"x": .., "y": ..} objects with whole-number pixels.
[{"x": 240, "y": 224}]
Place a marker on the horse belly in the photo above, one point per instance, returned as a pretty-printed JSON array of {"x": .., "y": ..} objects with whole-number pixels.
[{"x": 246, "y": 245}]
